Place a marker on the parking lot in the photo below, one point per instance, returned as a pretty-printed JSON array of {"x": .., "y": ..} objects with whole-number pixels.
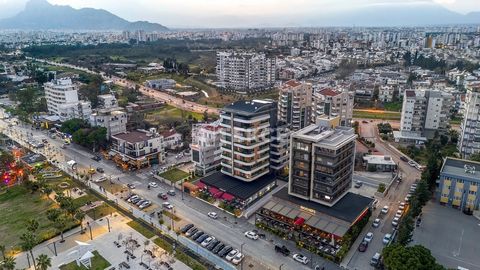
[{"x": 452, "y": 236}]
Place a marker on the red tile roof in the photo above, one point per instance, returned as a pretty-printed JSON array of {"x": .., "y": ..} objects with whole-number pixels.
[
  {"x": 329, "y": 92},
  {"x": 293, "y": 83}
]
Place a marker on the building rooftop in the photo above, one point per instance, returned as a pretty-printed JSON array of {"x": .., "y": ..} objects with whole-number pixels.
[
  {"x": 239, "y": 189},
  {"x": 250, "y": 106},
  {"x": 325, "y": 135},
  {"x": 461, "y": 168},
  {"x": 134, "y": 136},
  {"x": 336, "y": 219},
  {"x": 379, "y": 159},
  {"x": 292, "y": 83},
  {"x": 329, "y": 92},
  {"x": 410, "y": 93}
]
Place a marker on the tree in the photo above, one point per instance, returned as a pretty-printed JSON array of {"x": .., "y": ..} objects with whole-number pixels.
[
  {"x": 405, "y": 230},
  {"x": 80, "y": 216},
  {"x": 2, "y": 250},
  {"x": 475, "y": 157},
  {"x": 9, "y": 263},
  {"x": 29, "y": 241},
  {"x": 398, "y": 257},
  {"x": 32, "y": 225},
  {"x": 59, "y": 220},
  {"x": 72, "y": 125},
  {"x": 44, "y": 262}
]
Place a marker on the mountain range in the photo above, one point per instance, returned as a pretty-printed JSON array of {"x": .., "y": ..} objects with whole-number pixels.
[{"x": 41, "y": 15}]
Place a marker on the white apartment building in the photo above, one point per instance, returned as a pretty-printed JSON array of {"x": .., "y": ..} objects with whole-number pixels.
[
  {"x": 333, "y": 103},
  {"x": 205, "y": 147},
  {"x": 138, "y": 149},
  {"x": 245, "y": 71},
  {"x": 425, "y": 110},
  {"x": 385, "y": 93},
  {"x": 109, "y": 116},
  {"x": 172, "y": 139},
  {"x": 246, "y": 136},
  {"x": 295, "y": 104},
  {"x": 62, "y": 100},
  {"x": 469, "y": 142}
]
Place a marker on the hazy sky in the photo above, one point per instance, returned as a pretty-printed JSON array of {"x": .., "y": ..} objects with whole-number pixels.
[{"x": 205, "y": 13}]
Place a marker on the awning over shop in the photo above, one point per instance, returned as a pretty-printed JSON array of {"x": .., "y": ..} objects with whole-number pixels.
[
  {"x": 218, "y": 195},
  {"x": 200, "y": 185},
  {"x": 213, "y": 190},
  {"x": 227, "y": 196},
  {"x": 299, "y": 221}
]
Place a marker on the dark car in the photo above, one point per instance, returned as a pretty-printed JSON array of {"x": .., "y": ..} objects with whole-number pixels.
[
  {"x": 186, "y": 228},
  {"x": 213, "y": 244},
  {"x": 171, "y": 192},
  {"x": 404, "y": 158},
  {"x": 100, "y": 170},
  {"x": 282, "y": 249},
  {"x": 197, "y": 235},
  {"x": 96, "y": 158},
  {"x": 219, "y": 247},
  {"x": 191, "y": 232},
  {"x": 162, "y": 196},
  {"x": 225, "y": 251},
  {"x": 201, "y": 238},
  {"x": 363, "y": 246}
]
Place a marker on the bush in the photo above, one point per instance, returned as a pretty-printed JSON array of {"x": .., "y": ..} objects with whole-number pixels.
[
  {"x": 372, "y": 168},
  {"x": 381, "y": 188}
]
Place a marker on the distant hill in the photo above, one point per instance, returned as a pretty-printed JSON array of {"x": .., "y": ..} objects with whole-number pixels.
[{"x": 41, "y": 15}]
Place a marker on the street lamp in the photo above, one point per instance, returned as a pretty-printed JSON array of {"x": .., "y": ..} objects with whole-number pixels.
[
  {"x": 90, "y": 228},
  {"x": 108, "y": 223},
  {"x": 241, "y": 251}
]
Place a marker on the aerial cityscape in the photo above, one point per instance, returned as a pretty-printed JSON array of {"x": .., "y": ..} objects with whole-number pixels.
[{"x": 240, "y": 135}]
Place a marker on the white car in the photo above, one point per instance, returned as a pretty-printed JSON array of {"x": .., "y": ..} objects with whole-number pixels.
[
  {"x": 153, "y": 184},
  {"x": 402, "y": 206},
  {"x": 385, "y": 209},
  {"x": 167, "y": 205},
  {"x": 395, "y": 221},
  {"x": 207, "y": 241},
  {"x": 300, "y": 258},
  {"x": 368, "y": 237},
  {"x": 412, "y": 163},
  {"x": 399, "y": 213},
  {"x": 252, "y": 235},
  {"x": 212, "y": 215},
  {"x": 376, "y": 223},
  {"x": 387, "y": 238},
  {"x": 238, "y": 258},
  {"x": 231, "y": 254}
]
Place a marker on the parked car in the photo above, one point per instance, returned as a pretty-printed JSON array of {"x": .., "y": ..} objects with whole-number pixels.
[
  {"x": 401, "y": 206},
  {"x": 395, "y": 221},
  {"x": 404, "y": 158},
  {"x": 385, "y": 209},
  {"x": 202, "y": 238},
  {"x": 131, "y": 186},
  {"x": 191, "y": 232},
  {"x": 399, "y": 213},
  {"x": 167, "y": 205},
  {"x": 251, "y": 235},
  {"x": 212, "y": 244},
  {"x": 368, "y": 237},
  {"x": 375, "y": 261},
  {"x": 231, "y": 254},
  {"x": 363, "y": 246},
  {"x": 171, "y": 192},
  {"x": 197, "y": 235},
  {"x": 225, "y": 251},
  {"x": 358, "y": 184},
  {"x": 100, "y": 170},
  {"x": 300, "y": 258},
  {"x": 282, "y": 249},
  {"x": 238, "y": 258},
  {"x": 131, "y": 198},
  {"x": 96, "y": 158},
  {"x": 218, "y": 247},
  {"x": 207, "y": 241},
  {"x": 186, "y": 228},
  {"x": 145, "y": 205},
  {"x": 412, "y": 163},
  {"x": 212, "y": 215},
  {"x": 162, "y": 196},
  {"x": 387, "y": 238},
  {"x": 153, "y": 184},
  {"x": 376, "y": 223}
]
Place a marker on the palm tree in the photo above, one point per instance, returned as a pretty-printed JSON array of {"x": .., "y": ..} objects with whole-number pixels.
[
  {"x": 2, "y": 250},
  {"x": 44, "y": 262},
  {"x": 29, "y": 241},
  {"x": 9, "y": 263},
  {"x": 80, "y": 216},
  {"x": 32, "y": 225}
]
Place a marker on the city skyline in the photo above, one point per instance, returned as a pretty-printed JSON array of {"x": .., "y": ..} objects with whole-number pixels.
[{"x": 235, "y": 13}]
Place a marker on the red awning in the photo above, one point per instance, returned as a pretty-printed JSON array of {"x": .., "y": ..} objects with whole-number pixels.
[
  {"x": 227, "y": 196},
  {"x": 213, "y": 190},
  {"x": 299, "y": 221},
  {"x": 200, "y": 185},
  {"x": 218, "y": 195}
]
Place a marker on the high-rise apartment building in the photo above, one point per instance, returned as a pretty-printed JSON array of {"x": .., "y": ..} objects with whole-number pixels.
[
  {"x": 425, "y": 110},
  {"x": 295, "y": 104},
  {"x": 469, "y": 142},
  {"x": 246, "y": 136},
  {"x": 245, "y": 71},
  {"x": 205, "y": 147},
  {"x": 333, "y": 103},
  {"x": 321, "y": 162},
  {"x": 62, "y": 100}
]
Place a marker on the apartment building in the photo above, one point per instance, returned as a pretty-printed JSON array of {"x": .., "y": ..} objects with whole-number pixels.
[
  {"x": 386, "y": 93},
  {"x": 109, "y": 116},
  {"x": 295, "y": 104},
  {"x": 459, "y": 182},
  {"x": 205, "y": 147},
  {"x": 245, "y": 138},
  {"x": 244, "y": 72},
  {"x": 425, "y": 111},
  {"x": 137, "y": 149},
  {"x": 321, "y": 162},
  {"x": 333, "y": 103},
  {"x": 469, "y": 141},
  {"x": 62, "y": 100}
]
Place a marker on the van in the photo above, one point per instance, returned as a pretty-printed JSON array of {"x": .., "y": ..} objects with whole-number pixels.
[{"x": 375, "y": 259}]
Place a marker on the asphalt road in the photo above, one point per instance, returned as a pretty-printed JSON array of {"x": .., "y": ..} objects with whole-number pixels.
[
  {"x": 397, "y": 193},
  {"x": 229, "y": 230}
]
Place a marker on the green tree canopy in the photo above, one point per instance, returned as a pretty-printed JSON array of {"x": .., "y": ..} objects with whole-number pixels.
[{"x": 398, "y": 257}]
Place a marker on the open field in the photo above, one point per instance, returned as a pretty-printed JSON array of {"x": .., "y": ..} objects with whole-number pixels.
[
  {"x": 174, "y": 175},
  {"x": 376, "y": 114},
  {"x": 171, "y": 114}
]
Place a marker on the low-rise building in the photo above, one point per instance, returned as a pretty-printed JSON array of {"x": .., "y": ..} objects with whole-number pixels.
[
  {"x": 161, "y": 84},
  {"x": 137, "y": 149},
  {"x": 459, "y": 182},
  {"x": 379, "y": 163},
  {"x": 172, "y": 139},
  {"x": 333, "y": 103},
  {"x": 109, "y": 116}
]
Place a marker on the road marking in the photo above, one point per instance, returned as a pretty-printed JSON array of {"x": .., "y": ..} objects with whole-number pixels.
[{"x": 457, "y": 253}]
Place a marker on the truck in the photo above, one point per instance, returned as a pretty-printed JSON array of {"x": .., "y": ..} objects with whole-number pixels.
[{"x": 282, "y": 249}]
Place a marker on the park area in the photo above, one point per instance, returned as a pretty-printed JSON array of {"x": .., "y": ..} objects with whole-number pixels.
[
  {"x": 98, "y": 263},
  {"x": 174, "y": 175}
]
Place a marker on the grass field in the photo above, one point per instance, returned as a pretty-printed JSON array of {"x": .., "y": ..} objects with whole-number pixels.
[
  {"x": 98, "y": 263},
  {"x": 373, "y": 114},
  {"x": 174, "y": 175},
  {"x": 141, "y": 229},
  {"x": 100, "y": 211},
  {"x": 171, "y": 114},
  {"x": 17, "y": 206},
  {"x": 393, "y": 106}
]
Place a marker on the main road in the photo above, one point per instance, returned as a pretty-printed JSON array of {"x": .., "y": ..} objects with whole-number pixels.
[{"x": 155, "y": 94}]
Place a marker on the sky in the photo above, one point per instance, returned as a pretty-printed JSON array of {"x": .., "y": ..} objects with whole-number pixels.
[{"x": 206, "y": 13}]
